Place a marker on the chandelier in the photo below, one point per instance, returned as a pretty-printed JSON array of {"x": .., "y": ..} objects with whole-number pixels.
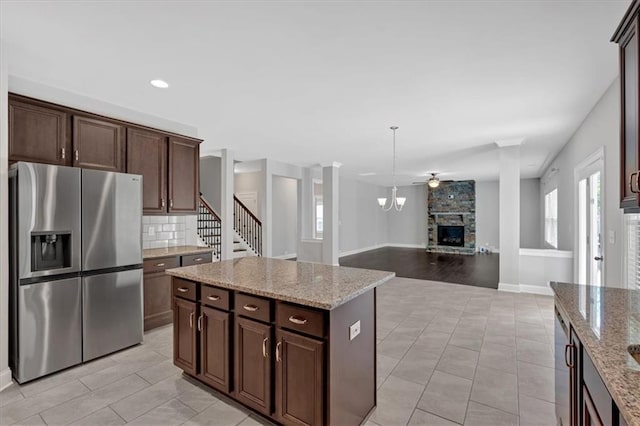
[{"x": 396, "y": 202}]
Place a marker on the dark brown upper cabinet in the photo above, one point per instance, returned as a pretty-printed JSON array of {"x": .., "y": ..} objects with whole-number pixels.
[
  {"x": 147, "y": 156},
  {"x": 98, "y": 144},
  {"x": 38, "y": 134},
  {"x": 626, "y": 36},
  {"x": 184, "y": 160}
]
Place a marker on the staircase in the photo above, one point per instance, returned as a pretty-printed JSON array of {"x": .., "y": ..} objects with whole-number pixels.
[
  {"x": 210, "y": 227},
  {"x": 247, "y": 238}
]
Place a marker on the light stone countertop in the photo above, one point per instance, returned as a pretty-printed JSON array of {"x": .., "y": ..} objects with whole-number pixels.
[
  {"x": 173, "y": 251},
  {"x": 607, "y": 320},
  {"x": 310, "y": 284}
]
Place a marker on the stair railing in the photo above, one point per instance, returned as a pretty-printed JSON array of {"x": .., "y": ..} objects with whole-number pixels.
[
  {"x": 247, "y": 225},
  {"x": 210, "y": 227}
]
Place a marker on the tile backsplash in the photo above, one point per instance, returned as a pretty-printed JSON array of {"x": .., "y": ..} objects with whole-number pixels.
[{"x": 169, "y": 231}]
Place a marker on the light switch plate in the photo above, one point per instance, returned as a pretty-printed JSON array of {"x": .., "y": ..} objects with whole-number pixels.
[
  {"x": 612, "y": 237},
  {"x": 354, "y": 330}
]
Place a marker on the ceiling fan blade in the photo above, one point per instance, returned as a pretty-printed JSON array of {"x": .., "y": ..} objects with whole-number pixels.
[{"x": 418, "y": 183}]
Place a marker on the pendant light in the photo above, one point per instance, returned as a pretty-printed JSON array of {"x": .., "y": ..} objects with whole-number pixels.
[{"x": 396, "y": 202}]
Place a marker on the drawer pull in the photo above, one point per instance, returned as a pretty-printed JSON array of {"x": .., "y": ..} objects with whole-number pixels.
[
  {"x": 182, "y": 289},
  {"x": 200, "y": 323},
  {"x": 197, "y": 259},
  {"x": 297, "y": 320},
  {"x": 160, "y": 264},
  {"x": 250, "y": 308},
  {"x": 264, "y": 347},
  {"x": 631, "y": 183},
  {"x": 214, "y": 298},
  {"x": 278, "y": 351},
  {"x": 568, "y": 347},
  {"x": 191, "y": 315}
]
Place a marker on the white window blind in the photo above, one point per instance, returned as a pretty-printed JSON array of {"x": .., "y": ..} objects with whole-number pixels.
[
  {"x": 633, "y": 251},
  {"x": 551, "y": 218}
]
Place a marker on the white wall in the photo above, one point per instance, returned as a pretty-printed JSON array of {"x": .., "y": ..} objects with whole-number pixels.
[
  {"x": 599, "y": 129},
  {"x": 285, "y": 216},
  {"x": 5, "y": 373},
  {"x": 487, "y": 214},
  {"x": 487, "y": 220},
  {"x": 211, "y": 181},
  {"x": 250, "y": 182},
  {"x": 409, "y": 227},
  {"x": 362, "y": 222}
]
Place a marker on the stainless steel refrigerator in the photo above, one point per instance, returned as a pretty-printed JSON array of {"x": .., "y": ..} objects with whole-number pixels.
[{"x": 75, "y": 266}]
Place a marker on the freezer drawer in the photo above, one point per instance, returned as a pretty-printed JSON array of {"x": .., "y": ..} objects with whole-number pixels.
[
  {"x": 49, "y": 328},
  {"x": 111, "y": 220},
  {"x": 112, "y": 312}
]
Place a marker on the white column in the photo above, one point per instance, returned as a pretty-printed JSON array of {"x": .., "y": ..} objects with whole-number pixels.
[
  {"x": 5, "y": 372},
  {"x": 266, "y": 209},
  {"x": 330, "y": 200},
  {"x": 305, "y": 205},
  {"x": 226, "y": 203},
  {"x": 509, "y": 214}
]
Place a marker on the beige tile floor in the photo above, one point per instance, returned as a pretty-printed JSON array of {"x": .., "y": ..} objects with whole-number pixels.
[{"x": 447, "y": 354}]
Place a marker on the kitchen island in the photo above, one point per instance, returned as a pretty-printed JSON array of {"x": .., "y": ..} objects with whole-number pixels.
[
  {"x": 294, "y": 341},
  {"x": 597, "y": 376}
]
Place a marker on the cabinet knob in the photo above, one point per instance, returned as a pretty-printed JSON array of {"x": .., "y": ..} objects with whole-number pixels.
[{"x": 250, "y": 308}]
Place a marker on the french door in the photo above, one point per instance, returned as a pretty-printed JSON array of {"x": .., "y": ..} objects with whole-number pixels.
[{"x": 590, "y": 224}]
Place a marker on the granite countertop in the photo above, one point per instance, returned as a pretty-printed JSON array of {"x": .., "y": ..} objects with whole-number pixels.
[
  {"x": 310, "y": 284},
  {"x": 174, "y": 251},
  {"x": 607, "y": 320}
]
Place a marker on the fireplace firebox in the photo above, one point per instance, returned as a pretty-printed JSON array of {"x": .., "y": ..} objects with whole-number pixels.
[{"x": 452, "y": 236}]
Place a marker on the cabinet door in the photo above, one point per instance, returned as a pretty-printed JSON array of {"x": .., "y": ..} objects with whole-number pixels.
[
  {"x": 299, "y": 379},
  {"x": 184, "y": 160},
  {"x": 98, "y": 144},
  {"x": 590, "y": 416},
  {"x": 157, "y": 300},
  {"x": 630, "y": 137},
  {"x": 252, "y": 361},
  {"x": 37, "y": 134},
  {"x": 184, "y": 335},
  {"x": 147, "y": 156},
  {"x": 573, "y": 357},
  {"x": 214, "y": 348}
]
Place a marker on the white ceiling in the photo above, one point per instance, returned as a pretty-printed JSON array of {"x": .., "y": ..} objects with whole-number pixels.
[{"x": 313, "y": 82}]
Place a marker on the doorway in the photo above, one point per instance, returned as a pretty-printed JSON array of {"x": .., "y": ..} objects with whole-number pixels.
[{"x": 590, "y": 223}]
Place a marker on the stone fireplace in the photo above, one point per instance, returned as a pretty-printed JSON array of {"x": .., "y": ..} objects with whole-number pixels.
[{"x": 451, "y": 220}]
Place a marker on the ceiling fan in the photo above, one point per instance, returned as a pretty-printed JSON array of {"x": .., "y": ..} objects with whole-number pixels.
[{"x": 433, "y": 181}]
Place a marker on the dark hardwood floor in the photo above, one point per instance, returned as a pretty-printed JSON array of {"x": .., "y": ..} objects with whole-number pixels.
[{"x": 481, "y": 270}]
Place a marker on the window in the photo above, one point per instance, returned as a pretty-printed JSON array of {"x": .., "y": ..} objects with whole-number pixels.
[{"x": 551, "y": 218}]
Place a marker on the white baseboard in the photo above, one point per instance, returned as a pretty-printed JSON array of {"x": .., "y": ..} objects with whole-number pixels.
[
  {"x": 286, "y": 256},
  {"x": 377, "y": 246},
  {"x": 526, "y": 288},
  {"x": 5, "y": 378}
]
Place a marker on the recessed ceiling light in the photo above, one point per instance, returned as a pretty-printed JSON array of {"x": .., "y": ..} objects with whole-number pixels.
[
  {"x": 161, "y": 84},
  {"x": 367, "y": 174}
]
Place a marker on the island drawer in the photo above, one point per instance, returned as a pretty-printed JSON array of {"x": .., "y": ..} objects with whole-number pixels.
[
  {"x": 160, "y": 264},
  {"x": 185, "y": 289},
  {"x": 300, "y": 319},
  {"x": 215, "y": 297},
  {"x": 196, "y": 259},
  {"x": 253, "y": 307}
]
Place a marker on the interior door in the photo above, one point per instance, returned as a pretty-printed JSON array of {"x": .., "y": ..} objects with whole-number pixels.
[{"x": 590, "y": 227}]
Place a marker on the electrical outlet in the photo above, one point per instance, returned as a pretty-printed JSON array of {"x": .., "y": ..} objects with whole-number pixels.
[
  {"x": 354, "y": 330},
  {"x": 152, "y": 231}
]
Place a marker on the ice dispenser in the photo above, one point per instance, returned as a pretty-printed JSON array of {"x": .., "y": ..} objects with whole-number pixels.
[{"x": 50, "y": 250}]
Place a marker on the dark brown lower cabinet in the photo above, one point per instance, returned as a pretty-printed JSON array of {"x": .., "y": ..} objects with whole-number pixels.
[
  {"x": 157, "y": 300},
  {"x": 299, "y": 379},
  {"x": 215, "y": 327},
  {"x": 185, "y": 335},
  {"x": 253, "y": 364},
  {"x": 590, "y": 416}
]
